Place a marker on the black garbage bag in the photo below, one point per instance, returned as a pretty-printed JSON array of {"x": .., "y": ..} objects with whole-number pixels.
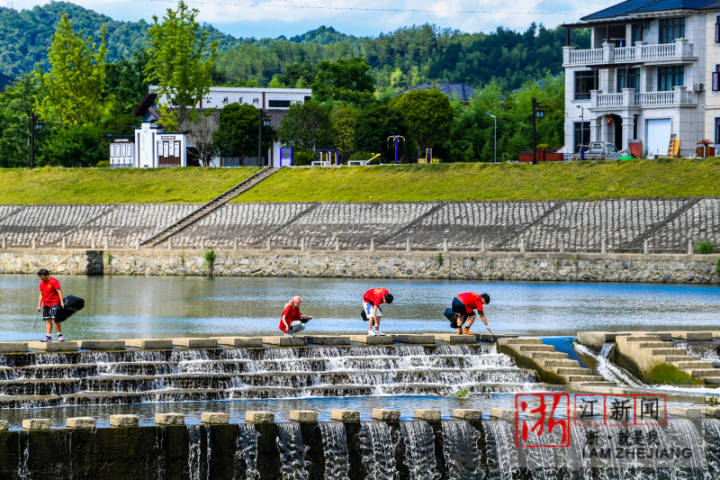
[
  {"x": 450, "y": 315},
  {"x": 73, "y": 305},
  {"x": 363, "y": 315}
]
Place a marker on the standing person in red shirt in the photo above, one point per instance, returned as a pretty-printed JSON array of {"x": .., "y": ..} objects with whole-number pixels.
[
  {"x": 464, "y": 306},
  {"x": 372, "y": 300},
  {"x": 291, "y": 314},
  {"x": 50, "y": 301}
]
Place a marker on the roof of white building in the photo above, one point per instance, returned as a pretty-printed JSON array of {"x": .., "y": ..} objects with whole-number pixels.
[{"x": 631, "y": 7}]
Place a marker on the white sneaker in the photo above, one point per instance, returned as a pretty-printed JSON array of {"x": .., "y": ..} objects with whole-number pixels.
[
  {"x": 371, "y": 333},
  {"x": 380, "y": 333}
]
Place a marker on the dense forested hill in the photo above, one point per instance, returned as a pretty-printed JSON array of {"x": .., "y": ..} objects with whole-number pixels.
[{"x": 406, "y": 57}]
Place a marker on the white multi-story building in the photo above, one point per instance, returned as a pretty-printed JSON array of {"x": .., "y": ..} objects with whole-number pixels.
[{"x": 648, "y": 74}]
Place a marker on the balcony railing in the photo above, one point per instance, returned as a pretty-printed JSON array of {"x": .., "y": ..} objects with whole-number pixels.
[
  {"x": 629, "y": 98},
  {"x": 609, "y": 54}
]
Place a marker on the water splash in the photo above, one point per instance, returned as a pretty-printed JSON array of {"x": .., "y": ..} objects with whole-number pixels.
[
  {"x": 419, "y": 458},
  {"x": 194, "y": 453},
  {"x": 608, "y": 370},
  {"x": 293, "y": 452},
  {"x": 246, "y": 453},
  {"x": 460, "y": 450},
  {"x": 378, "y": 451},
  {"x": 335, "y": 450}
]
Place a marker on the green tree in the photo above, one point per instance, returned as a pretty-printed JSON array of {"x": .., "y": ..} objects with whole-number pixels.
[
  {"x": 75, "y": 83},
  {"x": 237, "y": 135},
  {"x": 75, "y": 146},
  {"x": 375, "y": 124},
  {"x": 180, "y": 63},
  {"x": 344, "y": 118},
  {"x": 307, "y": 126},
  {"x": 16, "y": 106},
  {"x": 428, "y": 115},
  {"x": 347, "y": 80}
]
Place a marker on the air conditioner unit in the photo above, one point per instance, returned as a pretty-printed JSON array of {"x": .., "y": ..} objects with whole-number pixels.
[{"x": 699, "y": 87}]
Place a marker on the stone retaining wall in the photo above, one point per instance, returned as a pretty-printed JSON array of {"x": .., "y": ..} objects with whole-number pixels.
[{"x": 655, "y": 268}]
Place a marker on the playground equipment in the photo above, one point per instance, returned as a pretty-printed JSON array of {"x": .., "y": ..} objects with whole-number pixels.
[
  {"x": 363, "y": 163},
  {"x": 286, "y": 154},
  {"x": 396, "y": 140},
  {"x": 326, "y": 157},
  {"x": 428, "y": 157}
]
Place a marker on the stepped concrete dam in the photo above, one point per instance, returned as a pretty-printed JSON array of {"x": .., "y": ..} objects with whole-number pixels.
[{"x": 431, "y": 406}]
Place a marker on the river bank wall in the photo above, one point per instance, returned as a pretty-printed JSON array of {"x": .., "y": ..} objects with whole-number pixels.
[{"x": 558, "y": 267}]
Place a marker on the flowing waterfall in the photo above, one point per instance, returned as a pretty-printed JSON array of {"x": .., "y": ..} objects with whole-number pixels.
[
  {"x": 246, "y": 453},
  {"x": 194, "y": 454},
  {"x": 106, "y": 378},
  {"x": 460, "y": 450},
  {"x": 24, "y": 464},
  {"x": 378, "y": 451},
  {"x": 608, "y": 370},
  {"x": 335, "y": 451},
  {"x": 293, "y": 452},
  {"x": 419, "y": 457}
]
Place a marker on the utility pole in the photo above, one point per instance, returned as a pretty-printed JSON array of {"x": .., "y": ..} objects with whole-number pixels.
[
  {"x": 31, "y": 138},
  {"x": 260, "y": 129}
]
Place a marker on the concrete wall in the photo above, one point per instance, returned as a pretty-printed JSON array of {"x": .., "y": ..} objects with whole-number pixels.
[{"x": 694, "y": 269}]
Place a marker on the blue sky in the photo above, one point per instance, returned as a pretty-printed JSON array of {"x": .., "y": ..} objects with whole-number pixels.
[{"x": 272, "y": 18}]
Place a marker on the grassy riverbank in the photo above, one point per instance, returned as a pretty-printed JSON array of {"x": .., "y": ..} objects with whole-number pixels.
[
  {"x": 103, "y": 185},
  {"x": 667, "y": 178}
]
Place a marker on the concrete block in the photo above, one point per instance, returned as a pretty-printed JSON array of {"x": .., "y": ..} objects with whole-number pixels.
[
  {"x": 414, "y": 338},
  {"x": 327, "y": 340},
  {"x": 149, "y": 343},
  {"x": 239, "y": 341},
  {"x": 685, "y": 412},
  {"x": 454, "y": 338},
  {"x": 385, "y": 415},
  {"x": 4, "y": 425},
  {"x": 698, "y": 336},
  {"x": 12, "y": 347},
  {"x": 195, "y": 342},
  {"x": 169, "y": 419},
  {"x": 493, "y": 337},
  {"x": 66, "y": 346},
  {"x": 257, "y": 416},
  {"x": 303, "y": 416},
  {"x": 124, "y": 420},
  {"x": 372, "y": 340},
  {"x": 711, "y": 412},
  {"x": 346, "y": 416},
  {"x": 36, "y": 424},
  {"x": 519, "y": 341},
  {"x": 596, "y": 339},
  {"x": 429, "y": 415},
  {"x": 80, "y": 422},
  {"x": 215, "y": 417},
  {"x": 712, "y": 400},
  {"x": 102, "y": 344},
  {"x": 285, "y": 341},
  {"x": 502, "y": 414}
]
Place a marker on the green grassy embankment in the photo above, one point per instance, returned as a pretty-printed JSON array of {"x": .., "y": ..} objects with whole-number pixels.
[
  {"x": 666, "y": 178},
  {"x": 103, "y": 185}
]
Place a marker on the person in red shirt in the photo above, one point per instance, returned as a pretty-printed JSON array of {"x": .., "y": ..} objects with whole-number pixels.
[
  {"x": 464, "y": 306},
  {"x": 49, "y": 302},
  {"x": 291, "y": 314},
  {"x": 372, "y": 300}
]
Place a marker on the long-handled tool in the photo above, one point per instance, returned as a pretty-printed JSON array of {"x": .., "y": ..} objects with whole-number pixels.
[{"x": 37, "y": 317}]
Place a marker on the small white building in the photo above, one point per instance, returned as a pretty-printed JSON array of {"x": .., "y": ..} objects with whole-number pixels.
[{"x": 155, "y": 148}]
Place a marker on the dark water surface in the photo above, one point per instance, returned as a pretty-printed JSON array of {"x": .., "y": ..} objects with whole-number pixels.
[{"x": 124, "y": 307}]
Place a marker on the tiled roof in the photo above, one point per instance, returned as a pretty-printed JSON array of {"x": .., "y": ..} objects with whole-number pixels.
[
  {"x": 629, "y": 7},
  {"x": 461, "y": 91}
]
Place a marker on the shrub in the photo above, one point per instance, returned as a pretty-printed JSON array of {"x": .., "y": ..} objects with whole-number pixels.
[
  {"x": 717, "y": 267},
  {"x": 210, "y": 257},
  {"x": 705, "y": 247},
  {"x": 304, "y": 157},
  {"x": 440, "y": 258}
]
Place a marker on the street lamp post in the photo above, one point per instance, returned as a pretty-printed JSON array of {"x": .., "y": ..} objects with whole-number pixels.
[
  {"x": 495, "y": 131},
  {"x": 262, "y": 122}
]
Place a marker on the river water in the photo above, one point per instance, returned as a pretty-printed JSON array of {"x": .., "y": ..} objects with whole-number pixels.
[{"x": 124, "y": 307}]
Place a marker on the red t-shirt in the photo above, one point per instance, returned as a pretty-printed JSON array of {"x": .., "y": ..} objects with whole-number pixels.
[
  {"x": 291, "y": 314},
  {"x": 49, "y": 291},
  {"x": 471, "y": 301},
  {"x": 375, "y": 296}
]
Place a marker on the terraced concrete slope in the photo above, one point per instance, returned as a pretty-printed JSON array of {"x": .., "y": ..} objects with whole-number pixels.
[{"x": 620, "y": 225}]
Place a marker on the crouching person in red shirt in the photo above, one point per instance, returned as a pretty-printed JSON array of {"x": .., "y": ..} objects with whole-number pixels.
[
  {"x": 50, "y": 301},
  {"x": 372, "y": 300},
  {"x": 292, "y": 320},
  {"x": 464, "y": 306}
]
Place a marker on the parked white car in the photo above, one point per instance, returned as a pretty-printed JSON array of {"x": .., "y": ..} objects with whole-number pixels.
[{"x": 598, "y": 151}]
